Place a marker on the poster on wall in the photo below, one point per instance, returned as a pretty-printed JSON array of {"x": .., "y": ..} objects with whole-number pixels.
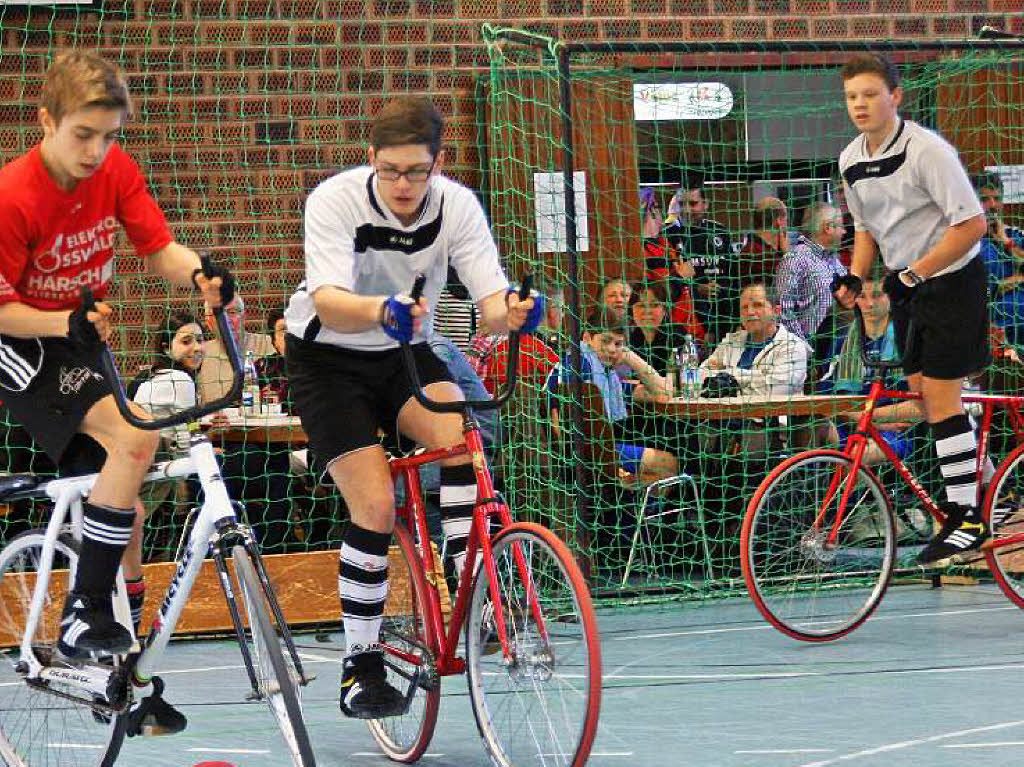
[
  {"x": 1012, "y": 177},
  {"x": 549, "y": 209}
]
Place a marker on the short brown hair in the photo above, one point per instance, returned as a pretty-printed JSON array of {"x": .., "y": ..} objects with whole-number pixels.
[
  {"x": 79, "y": 79},
  {"x": 768, "y": 211},
  {"x": 604, "y": 320},
  {"x": 408, "y": 120},
  {"x": 872, "y": 63}
]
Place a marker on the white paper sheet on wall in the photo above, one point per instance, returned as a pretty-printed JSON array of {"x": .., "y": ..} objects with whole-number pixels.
[
  {"x": 549, "y": 209},
  {"x": 1013, "y": 181}
]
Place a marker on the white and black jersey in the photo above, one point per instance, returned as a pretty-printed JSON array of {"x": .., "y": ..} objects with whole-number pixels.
[
  {"x": 908, "y": 193},
  {"x": 354, "y": 242}
]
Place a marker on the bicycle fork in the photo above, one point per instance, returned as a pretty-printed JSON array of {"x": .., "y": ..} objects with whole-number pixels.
[{"x": 230, "y": 534}]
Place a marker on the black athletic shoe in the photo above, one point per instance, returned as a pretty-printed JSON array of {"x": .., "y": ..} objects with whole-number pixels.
[
  {"x": 87, "y": 625},
  {"x": 365, "y": 692},
  {"x": 964, "y": 530}
]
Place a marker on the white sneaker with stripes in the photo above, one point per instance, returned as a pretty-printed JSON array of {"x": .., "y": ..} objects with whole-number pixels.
[{"x": 964, "y": 530}]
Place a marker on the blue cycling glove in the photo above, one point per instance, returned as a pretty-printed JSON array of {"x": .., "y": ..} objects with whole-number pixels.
[
  {"x": 396, "y": 318},
  {"x": 536, "y": 313}
]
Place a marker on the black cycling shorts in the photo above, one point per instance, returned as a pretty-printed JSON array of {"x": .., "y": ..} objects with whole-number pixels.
[
  {"x": 949, "y": 319},
  {"x": 343, "y": 396},
  {"x": 49, "y": 384}
]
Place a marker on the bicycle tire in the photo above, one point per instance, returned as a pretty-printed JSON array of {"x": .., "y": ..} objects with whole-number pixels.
[
  {"x": 276, "y": 675},
  {"x": 27, "y": 715},
  {"x": 1003, "y": 509},
  {"x": 805, "y": 586},
  {"x": 406, "y": 627},
  {"x": 503, "y": 691}
]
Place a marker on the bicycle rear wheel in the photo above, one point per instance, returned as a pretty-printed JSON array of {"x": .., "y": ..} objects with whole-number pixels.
[
  {"x": 37, "y": 727},
  {"x": 410, "y": 653},
  {"x": 541, "y": 704},
  {"x": 277, "y": 677},
  {"x": 806, "y": 584},
  {"x": 1004, "y": 511}
]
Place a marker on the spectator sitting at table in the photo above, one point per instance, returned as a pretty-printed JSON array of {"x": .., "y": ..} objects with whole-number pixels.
[
  {"x": 844, "y": 373},
  {"x": 807, "y": 272},
  {"x": 1002, "y": 249},
  {"x": 763, "y": 356},
  {"x": 603, "y": 348},
  {"x": 270, "y": 370},
  {"x": 650, "y": 335},
  {"x": 167, "y": 387},
  {"x": 255, "y": 472}
]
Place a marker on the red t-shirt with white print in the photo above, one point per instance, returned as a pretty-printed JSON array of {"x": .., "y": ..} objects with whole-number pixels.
[{"x": 53, "y": 242}]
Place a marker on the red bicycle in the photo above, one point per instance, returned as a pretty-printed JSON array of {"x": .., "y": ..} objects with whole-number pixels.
[
  {"x": 532, "y": 652},
  {"x": 818, "y": 544}
]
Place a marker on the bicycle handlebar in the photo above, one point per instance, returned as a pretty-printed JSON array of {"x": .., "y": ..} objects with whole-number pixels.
[
  {"x": 110, "y": 372},
  {"x": 871, "y": 361},
  {"x": 512, "y": 369}
]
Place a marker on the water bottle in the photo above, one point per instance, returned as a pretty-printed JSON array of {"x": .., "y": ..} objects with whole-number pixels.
[
  {"x": 689, "y": 364},
  {"x": 251, "y": 387},
  {"x": 672, "y": 373}
]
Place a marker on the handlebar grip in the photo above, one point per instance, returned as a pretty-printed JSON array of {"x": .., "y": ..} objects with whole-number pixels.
[
  {"x": 417, "y": 288},
  {"x": 88, "y": 299},
  {"x": 525, "y": 287}
]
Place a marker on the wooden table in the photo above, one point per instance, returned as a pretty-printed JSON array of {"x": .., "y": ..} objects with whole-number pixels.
[
  {"x": 726, "y": 408},
  {"x": 260, "y": 428}
]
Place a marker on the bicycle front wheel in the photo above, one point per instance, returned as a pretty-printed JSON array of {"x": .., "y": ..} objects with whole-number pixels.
[
  {"x": 540, "y": 704},
  {"x": 37, "y": 726},
  {"x": 815, "y": 571},
  {"x": 1004, "y": 511},
  {"x": 277, "y": 677},
  {"x": 410, "y": 652}
]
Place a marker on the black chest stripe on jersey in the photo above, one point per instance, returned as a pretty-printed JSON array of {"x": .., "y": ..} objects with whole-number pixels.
[
  {"x": 875, "y": 168},
  {"x": 387, "y": 238}
]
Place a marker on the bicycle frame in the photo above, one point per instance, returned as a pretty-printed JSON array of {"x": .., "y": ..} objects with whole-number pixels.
[
  {"x": 413, "y": 515},
  {"x": 216, "y": 518},
  {"x": 866, "y": 431}
]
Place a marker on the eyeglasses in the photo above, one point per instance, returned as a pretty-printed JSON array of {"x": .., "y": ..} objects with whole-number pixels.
[{"x": 414, "y": 175}]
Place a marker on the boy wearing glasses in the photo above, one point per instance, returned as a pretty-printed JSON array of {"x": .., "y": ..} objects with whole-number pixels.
[{"x": 369, "y": 232}]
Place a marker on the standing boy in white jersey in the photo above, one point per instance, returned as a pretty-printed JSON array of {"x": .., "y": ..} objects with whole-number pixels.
[
  {"x": 369, "y": 232},
  {"x": 911, "y": 201}
]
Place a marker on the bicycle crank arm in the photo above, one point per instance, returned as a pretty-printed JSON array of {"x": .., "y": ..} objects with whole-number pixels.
[{"x": 97, "y": 702}]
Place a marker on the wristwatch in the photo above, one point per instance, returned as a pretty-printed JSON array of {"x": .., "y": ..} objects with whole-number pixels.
[{"x": 915, "y": 278}]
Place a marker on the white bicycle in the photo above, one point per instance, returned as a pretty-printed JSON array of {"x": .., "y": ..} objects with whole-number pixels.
[{"x": 78, "y": 715}]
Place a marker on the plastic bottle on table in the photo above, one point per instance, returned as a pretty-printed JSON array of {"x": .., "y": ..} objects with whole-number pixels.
[
  {"x": 251, "y": 387},
  {"x": 689, "y": 364}
]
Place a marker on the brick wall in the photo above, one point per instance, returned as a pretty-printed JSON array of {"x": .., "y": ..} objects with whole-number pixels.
[{"x": 244, "y": 105}]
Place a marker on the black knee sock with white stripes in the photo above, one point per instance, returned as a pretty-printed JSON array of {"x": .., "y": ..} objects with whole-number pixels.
[
  {"x": 105, "y": 535},
  {"x": 458, "y": 496},
  {"x": 988, "y": 469},
  {"x": 363, "y": 586},
  {"x": 957, "y": 448}
]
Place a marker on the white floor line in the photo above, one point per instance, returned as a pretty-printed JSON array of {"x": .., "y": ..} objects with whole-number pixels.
[
  {"x": 75, "y": 745},
  {"x": 910, "y": 743},
  {"x": 787, "y": 751},
  {"x": 1001, "y": 744},
  {"x": 319, "y": 658},
  {"x": 875, "y": 619},
  {"x": 229, "y": 750}
]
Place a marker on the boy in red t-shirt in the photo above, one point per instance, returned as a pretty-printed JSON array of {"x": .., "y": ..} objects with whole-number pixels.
[{"x": 60, "y": 205}]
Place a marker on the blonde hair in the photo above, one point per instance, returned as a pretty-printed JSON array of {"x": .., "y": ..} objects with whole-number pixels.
[{"x": 79, "y": 79}]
